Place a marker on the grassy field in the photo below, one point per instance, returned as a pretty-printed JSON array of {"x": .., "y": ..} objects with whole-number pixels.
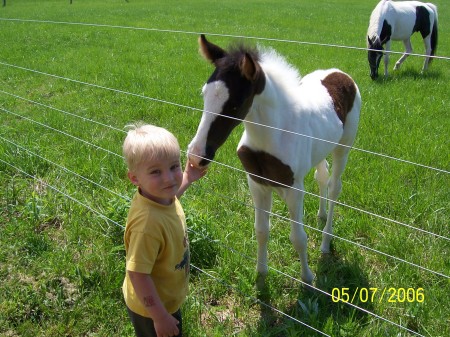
[{"x": 68, "y": 90}]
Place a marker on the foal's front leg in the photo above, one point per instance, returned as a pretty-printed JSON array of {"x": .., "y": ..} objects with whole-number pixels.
[{"x": 262, "y": 199}]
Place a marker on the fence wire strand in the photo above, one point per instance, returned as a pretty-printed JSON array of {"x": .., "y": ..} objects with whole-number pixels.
[{"x": 234, "y": 36}]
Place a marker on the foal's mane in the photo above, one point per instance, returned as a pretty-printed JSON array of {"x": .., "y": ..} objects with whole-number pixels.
[
  {"x": 270, "y": 61},
  {"x": 279, "y": 69}
]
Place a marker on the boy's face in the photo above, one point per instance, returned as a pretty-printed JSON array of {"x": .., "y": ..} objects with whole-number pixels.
[{"x": 159, "y": 179}]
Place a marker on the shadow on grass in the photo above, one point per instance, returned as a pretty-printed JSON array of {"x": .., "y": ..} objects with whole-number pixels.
[
  {"x": 409, "y": 74},
  {"x": 269, "y": 321},
  {"x": 316, "y": 310}
]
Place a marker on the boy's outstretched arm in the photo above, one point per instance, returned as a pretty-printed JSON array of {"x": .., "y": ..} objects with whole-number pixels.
[{"x": 165, "y": 324}]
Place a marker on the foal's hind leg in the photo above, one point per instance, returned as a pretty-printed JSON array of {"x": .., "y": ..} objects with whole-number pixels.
[
  {"x": 408, "y": 50},
  {"x": 386, "y": 57},
  {"x": 340, "y": 156},
  {"x": 298, "y": 237},
  {"x": 321, "y": 175},
  {"x": 427, "y": 42}
]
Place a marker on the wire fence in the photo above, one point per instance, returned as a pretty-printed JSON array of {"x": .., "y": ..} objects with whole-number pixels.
[
  {"x": 17, "y": 145},
  {"x": 258, "y": 38}
]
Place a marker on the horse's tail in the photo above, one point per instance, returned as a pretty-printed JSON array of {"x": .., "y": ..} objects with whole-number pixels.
[
  {"x": 434, "y": 38},
  {"x": 434, "y": 32}
]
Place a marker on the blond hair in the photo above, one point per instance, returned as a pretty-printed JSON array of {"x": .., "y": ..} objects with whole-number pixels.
[{"x": 148, "y": 142}]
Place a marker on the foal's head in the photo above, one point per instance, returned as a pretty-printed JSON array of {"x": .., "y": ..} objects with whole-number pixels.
[
  {"x": 374, "y": 55},
  {"x": 227, "y": 95}
]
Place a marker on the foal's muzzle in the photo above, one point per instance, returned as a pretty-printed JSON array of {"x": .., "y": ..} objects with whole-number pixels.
[
  {"x": 210, "y": 152},
  {"x": 202, "y": 160}
]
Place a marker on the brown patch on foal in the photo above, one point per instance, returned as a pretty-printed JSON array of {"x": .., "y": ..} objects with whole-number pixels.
[
  {"x": 342, "y": 90},
  {"x": 264, "y": 165}
]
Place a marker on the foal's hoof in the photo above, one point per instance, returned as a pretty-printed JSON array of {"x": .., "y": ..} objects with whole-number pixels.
[
  {"x": 262, "y": 269},
  {"x": 325, "y": 250},
  {"x": 308, "y": 277},
  {"x": 322, "y": 217},
  {"x": 261, "y": 282},
  {"x": 325, "y": 246}
]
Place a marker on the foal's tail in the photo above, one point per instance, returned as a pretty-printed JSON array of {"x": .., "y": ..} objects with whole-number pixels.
[{"x": 434, "y": 32}]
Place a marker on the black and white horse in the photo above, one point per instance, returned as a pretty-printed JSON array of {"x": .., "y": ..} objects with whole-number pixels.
[
  {"x": 260, "y": 87},
  {"x": 398, "y": 21}
]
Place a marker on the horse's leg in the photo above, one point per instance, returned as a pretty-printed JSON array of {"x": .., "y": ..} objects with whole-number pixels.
[
  {"x": 262, "y": 199},
  {"x": 386, "y": 58},
  {"x": 427, "y": 42},
  {"x": 321, "y": 175},
  {"x": 408, "y": 50},
  {"x": 298, "y": 237},
  {"x": 340, "y": 156}
]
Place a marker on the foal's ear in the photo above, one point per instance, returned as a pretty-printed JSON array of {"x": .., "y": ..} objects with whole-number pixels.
[
  {"x": 252, "y": 71},
  {"x": 248, "y": 67},
  {"x": 210, "y": 51}
]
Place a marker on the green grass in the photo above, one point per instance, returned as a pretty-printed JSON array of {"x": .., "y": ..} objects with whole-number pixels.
[{"x": 61, "y": 251}]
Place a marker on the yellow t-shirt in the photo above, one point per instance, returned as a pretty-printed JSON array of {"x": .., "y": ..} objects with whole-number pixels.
[{"x": 156, "y": 243}]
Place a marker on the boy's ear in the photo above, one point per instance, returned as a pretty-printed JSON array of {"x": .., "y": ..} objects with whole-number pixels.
[{"x": 133, "y": 178}]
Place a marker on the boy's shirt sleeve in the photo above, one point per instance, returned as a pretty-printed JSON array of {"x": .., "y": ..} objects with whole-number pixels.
[{"x": 143, "y": 251}]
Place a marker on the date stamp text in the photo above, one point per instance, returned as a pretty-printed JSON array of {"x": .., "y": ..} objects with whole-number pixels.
[{"x": 374, "y": 294}]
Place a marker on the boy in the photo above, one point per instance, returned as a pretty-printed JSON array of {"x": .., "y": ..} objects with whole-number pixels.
[{"x": 156, "y": 243}]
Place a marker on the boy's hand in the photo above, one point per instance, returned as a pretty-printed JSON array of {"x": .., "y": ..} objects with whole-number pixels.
[
  {"x": 166, "y": 326},
  {"x": 194, "y": 173},
  {"x": 190, "y": 174}
]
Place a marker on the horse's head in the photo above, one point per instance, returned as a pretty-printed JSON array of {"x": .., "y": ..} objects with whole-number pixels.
[
  {"x": 227, "y": 95},
  {"x": 375, "y": 46}
]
